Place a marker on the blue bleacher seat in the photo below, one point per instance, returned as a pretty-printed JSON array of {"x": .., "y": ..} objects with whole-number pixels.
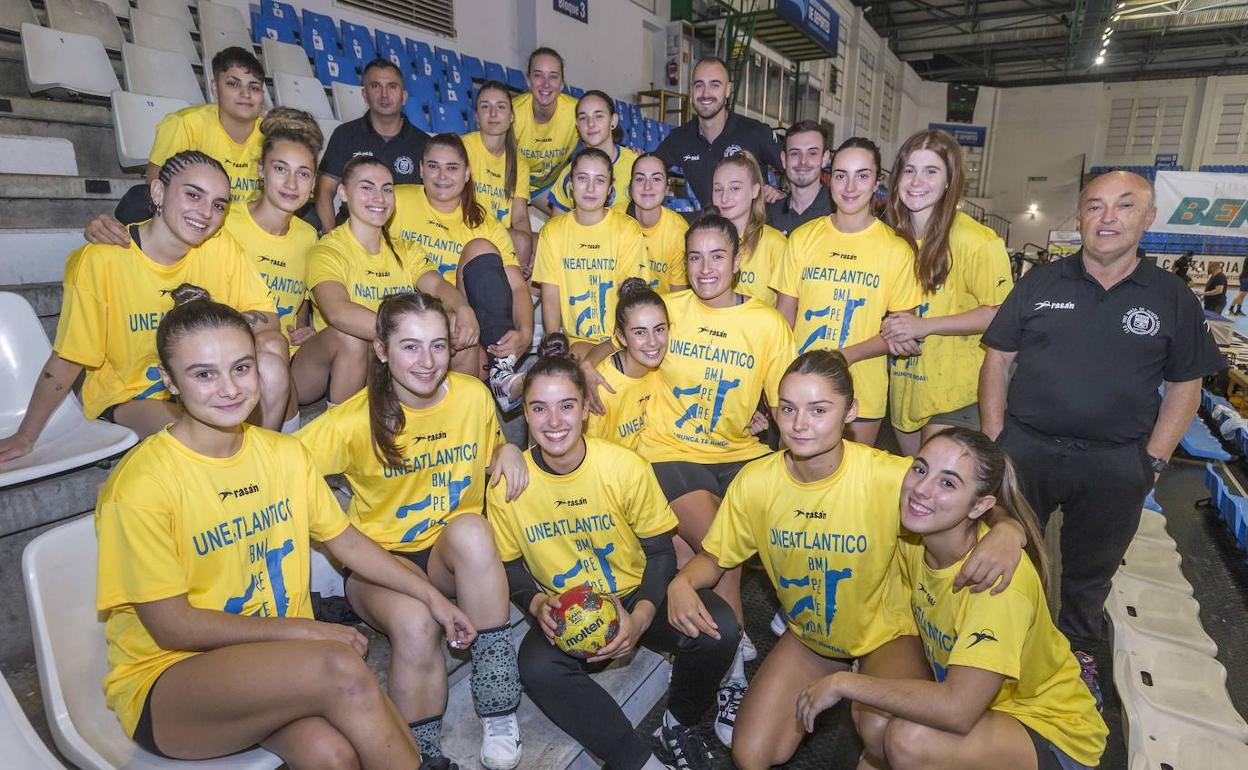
[
  {"x": 283, "y": 30},
  {"x": 421, "y": 88},
  {"x": 320, "y": 34},
  {"x": 414, "y": 109},
  {"x": 516, "y": 80},
  {"x": 419, "y": 48},
  {"x": 495, "y": 71},
  {"x": 626, "y": 117},
  {"x": 576, "y": 92},
  {"x": 448, "y": 118},
  {"x": 454, "y": 80},
  {"x": 278, "y": 10},
  {"x": 336, "y": 68},
  {"x": 357, "y": 42},
  {"x": 394, "y": 48},
  {"x": 1199, "y": 441},
  {"x": 426, "y": 66},
  {"x": 474, "y": 70},
  {"x": 448, "y": 57}
]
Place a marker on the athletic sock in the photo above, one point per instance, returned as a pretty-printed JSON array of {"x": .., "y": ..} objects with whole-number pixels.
[
  {"x": 291, "y": 425},
  {"x": 737, "y": 672},
  {"x": 489, "y": 295},
  {"x": 495, "y": 676},
  {"x": 428, "y": 735}
]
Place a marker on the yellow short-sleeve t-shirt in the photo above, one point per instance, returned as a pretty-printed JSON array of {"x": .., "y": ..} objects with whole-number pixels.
[
  {"x": 585, "y": 527},
  {"x": 441, "y": 236},
  {"x": 845, "y": 283},
  {"x": 719, "y": 362},
  {"x": 625, "y": 413},
  {"x": 829, "y": 547},
  {"x": 368, "y": 278},
  {"x": 546, "y": 146},
  {"x": 758, "y": 269},
  {"x": 1011, "y": 634},
  {"x": 229, "y": 533},
  {"x": 588, "y": 264},
  {"x": 560, "y": 196},
  {"x": 199, "y": 128},
  {"x": 946, "y": 376},
  {"x": 489, "y": 176},
  {"x": 282, "y": 260},
  {"x": 445, "y": 448},
  {"x": 665, "y": 251},
  {"x": 114, "y": 298}
]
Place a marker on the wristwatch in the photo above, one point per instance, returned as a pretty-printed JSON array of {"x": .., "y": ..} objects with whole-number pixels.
[{"x": 1157, "y": 464}]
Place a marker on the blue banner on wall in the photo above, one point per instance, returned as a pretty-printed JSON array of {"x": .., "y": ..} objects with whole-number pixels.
[
  {"x": 577, "y": 9},
  {"x": 816, "y": 18},
  {"x": 967, "y": 136}
]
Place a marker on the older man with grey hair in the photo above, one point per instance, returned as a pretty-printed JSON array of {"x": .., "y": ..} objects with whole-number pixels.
[{"x": 1090, "y": 338}]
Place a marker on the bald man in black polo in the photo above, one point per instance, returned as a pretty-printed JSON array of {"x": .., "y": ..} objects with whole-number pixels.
[{"x": 1093, "y": 336}]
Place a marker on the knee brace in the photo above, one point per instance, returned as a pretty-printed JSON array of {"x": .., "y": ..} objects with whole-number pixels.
[{"x": 485, "y": 285}]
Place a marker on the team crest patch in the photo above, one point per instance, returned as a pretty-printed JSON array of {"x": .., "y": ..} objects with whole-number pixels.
[
  {"x": 1142, "y": 321},
  {"x": 732, "y": 149},
  {"x": 404, "y": 164}
]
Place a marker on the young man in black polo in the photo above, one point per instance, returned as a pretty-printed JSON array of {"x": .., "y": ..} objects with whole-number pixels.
[
  {"x": 805, "y": 156},
  {"x": 383, "y": 132},
  {"x": 1093, "y": 336},
  {"x": 716, "y": 133}
]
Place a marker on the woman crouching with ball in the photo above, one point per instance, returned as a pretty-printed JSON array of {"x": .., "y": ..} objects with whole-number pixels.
[{"x": 593, "y": 514}]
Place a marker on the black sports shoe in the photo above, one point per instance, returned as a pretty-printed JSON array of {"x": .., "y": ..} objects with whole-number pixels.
[
  {"x": 439, "y": 763},
  {"x": 684, "y": 748}
]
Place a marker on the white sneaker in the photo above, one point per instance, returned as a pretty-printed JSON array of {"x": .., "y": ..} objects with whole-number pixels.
[
  {"x": 729, "y": 698},
  {"x": 748, "y": 650},
  {"x": 778, "y": 623},
  {"x": 503, "y": 379},
  {"x": 500, "y": 742}
]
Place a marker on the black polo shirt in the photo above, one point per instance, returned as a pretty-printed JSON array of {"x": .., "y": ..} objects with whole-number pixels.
[
  {"x": 781, "y": 215},
  {"x": 401, "y": 152},
  {"x": 687, "y": 148},
  {"x": 1089, "y": 360}
]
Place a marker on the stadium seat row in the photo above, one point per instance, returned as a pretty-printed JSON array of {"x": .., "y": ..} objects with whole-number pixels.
[{"x": 1210, "y": 245}]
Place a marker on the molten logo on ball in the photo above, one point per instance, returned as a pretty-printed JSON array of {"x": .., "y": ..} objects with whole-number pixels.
[{"x": 585, "y": 622}]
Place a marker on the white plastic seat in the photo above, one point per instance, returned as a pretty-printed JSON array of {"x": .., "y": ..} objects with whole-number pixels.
[
  {"x": 1144, "y": 614},
  {"x": 120, "y": 8},
  {"x": 153, "y": 31},
  {"x": 348, "y": 101},
  {"x": 285, "y": 57},
  {"x": 242, "y": 6},
  {"x": 327, "y": 130},
  {"x": 15, "y": 13},
  {"x": 302, "y": 93},
  {"x": 69, "y": 440},
  {"x": 216, "y": 40},
  {"x": 59, "y": 568},
  {"x": 177, "y": 10},
  {"x": 1165, "y": 690},
  {"x": 219, "y": 16},
  {"x": 86, "y": 17},
  {"x": 1155, "y": 563},
  {"x": 62, "y": 60},
  {"x": 37, "y": 155},
  {"x": 135, "y": 117},
  {"x": 20, "y": 745},
  {"x": 155, "y": 72},
  {"x": 1190, "y": 750},
  {"x": 1153, "y": 528}
]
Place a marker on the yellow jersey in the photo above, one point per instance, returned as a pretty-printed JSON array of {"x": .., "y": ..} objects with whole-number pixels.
[
  {"x": 114, "y": 299},
  {"x": 368, "y": 278},
  {"x": 1011, "y": 634},
  {"x": 758, "y": 269},
  {"x": 665, "y": 251},
  {"x": 625, "y": 414},
  {"x": 845, "y": 283},
  {"x": 719, "y": 362},
  {"x": 588, "y": 264},
  {"x": 231, "y": 534},
  {"x": 445, "y": 448},
  {"x": 442, "y": 236},
  {"x": 199, "y": 128},
  {"x": 829, "y": 547},
  {"x": 945, "y": 377},
  {"x": 560, "y": 196},
  {"x": 546, "y": 146},
  {"x": 585, "y": 527},
  {"x": 489, "y": 178},
  {"x": 282, "y": 260}
]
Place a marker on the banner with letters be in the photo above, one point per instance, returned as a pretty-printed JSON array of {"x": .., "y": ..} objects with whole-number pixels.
[{"x": 1201, "y": 203}]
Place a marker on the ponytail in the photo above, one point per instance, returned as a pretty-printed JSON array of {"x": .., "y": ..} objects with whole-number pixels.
[
  {"x": 635, "y": 292},
  {"x": 193, "y": 310},
  {"x": 554, "y": 359}
]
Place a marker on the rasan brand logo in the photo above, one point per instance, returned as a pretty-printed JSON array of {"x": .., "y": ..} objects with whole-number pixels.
[
  {"x": 713, "y": 332},
  {"x": 378, "y": 273},
  {"x": 571, "y": 503},
  {"x": 592, "y": 246},
  {"x": 241, "y": 492},
  {"x": 931, "y": 600},
  {"x": 429, "y": 437},
  {"x": 800, "y": 514},
  {"x": 271, "y": 261},
  {"x": 1048, "y": 305}
]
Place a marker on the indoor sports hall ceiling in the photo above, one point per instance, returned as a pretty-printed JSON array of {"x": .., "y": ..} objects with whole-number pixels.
[{"x": 1036, "y": 42}]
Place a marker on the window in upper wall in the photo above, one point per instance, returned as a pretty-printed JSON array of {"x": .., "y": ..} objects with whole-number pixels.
[
  {"x": 1119, "y": 127},
  {"x": 1230, "y": 132},
  {"x": 1173, "y": 116},
  {"x": 836, "y": 78},
  {"x": 434, "y": 15},
  {"x": 757, "y": 85},
  {"x": 775, "y": 73},
  {"x": 1144, "y": 125},
  {"x": 866, "y": 87},
  {"x": 889, "y": 98}
]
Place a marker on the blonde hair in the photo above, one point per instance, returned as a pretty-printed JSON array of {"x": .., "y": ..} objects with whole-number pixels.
[{"x": 758, "y": 207}]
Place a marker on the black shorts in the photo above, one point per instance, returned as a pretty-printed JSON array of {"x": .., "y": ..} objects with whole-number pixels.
[
  {"x": 679, "y": 478},
  {"x": 419, "y": 558},
  {"x": 1048, "y": 756}
]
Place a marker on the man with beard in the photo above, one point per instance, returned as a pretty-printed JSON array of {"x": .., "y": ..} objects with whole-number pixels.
[
  {"x": 716, "y": 133},
  {"x": 805, "y": 156}
]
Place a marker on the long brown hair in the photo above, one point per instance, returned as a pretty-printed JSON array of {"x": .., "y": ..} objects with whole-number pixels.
[
  {"x": 996, "y": 475},
  {"x": 472, "y": 211},
  {"x": 510, "y": 151},
  {"x": 932, "y": 260},
  {"x": 386, "y": 419},
  {"x": 758, "y": 208}
]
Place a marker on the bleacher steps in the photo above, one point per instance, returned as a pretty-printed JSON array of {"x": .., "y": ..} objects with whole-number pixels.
[
  {"x": 37, "y": 155},
  {"x": 88, "y": 125},
  {"x": 34, "y": 202},
  {"x": 36, "y": 256}
]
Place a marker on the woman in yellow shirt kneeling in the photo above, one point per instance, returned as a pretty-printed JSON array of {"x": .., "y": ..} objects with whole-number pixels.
[
  {"x": 203, "y": 573},
  {"x": 1007, "y": 691}
]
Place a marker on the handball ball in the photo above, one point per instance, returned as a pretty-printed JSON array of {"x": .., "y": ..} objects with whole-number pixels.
[{"x": 585, "y": 622}]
